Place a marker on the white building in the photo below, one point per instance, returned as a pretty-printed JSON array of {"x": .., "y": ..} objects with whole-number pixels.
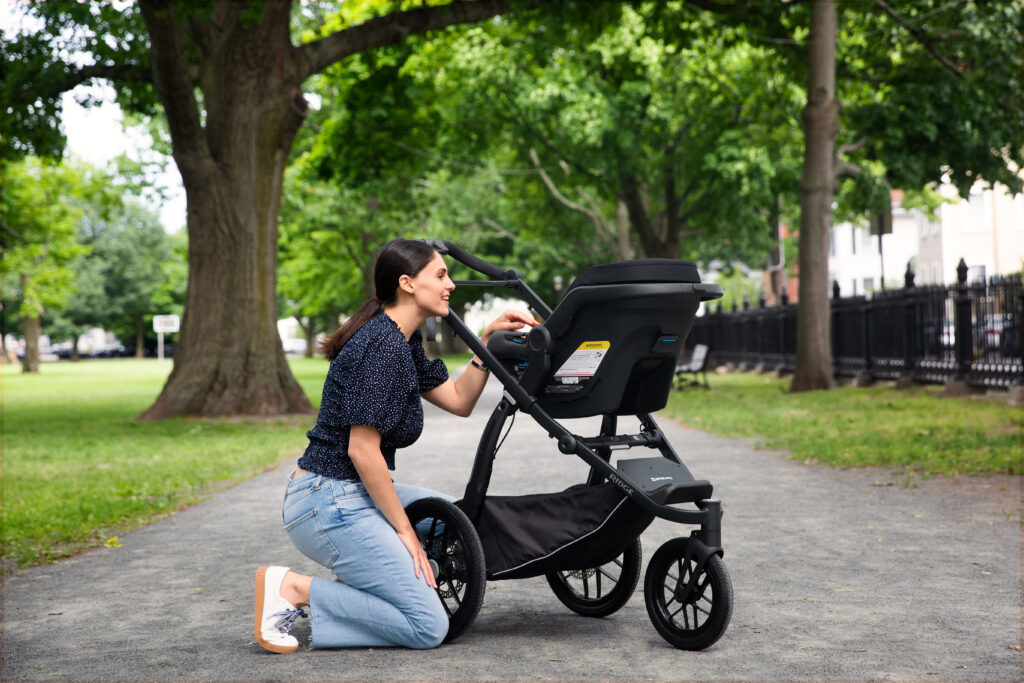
[{"x": 986, "y": 230}]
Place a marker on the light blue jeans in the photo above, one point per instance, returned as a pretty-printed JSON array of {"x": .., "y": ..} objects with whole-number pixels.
[{"x": 381, "y": 602}]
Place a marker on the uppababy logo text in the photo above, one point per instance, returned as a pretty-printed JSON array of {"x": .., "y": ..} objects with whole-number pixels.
[{"x": 661, "y": 478}]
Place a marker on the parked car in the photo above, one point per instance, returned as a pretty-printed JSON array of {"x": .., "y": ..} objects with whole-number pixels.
[
  {"x": 1010, "y": 336},
  {"x": 949, "y": 335},
  {"x": 294, "y": 346}
]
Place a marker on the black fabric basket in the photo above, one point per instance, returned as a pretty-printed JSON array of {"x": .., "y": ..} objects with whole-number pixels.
[{"x": 524, "y": 536}]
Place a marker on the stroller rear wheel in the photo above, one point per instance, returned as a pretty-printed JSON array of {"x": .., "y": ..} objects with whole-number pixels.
[
  {"x": 456, "y": 556},
  {"x": 599, "y": 591},
  {"x": 691, "y": 612}
]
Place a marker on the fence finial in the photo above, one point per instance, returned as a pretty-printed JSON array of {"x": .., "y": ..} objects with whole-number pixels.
[
  {"x": 784, "y": 296},
  {"x": 961, "y": 272},
  {"x": 908, "y": 277},
  {"x": 835, "y": 289}
]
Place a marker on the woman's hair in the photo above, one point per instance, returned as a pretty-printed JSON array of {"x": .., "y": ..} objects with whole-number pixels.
[{"x": 395, "y": 259}]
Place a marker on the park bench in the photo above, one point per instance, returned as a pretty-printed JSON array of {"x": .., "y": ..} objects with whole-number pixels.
[{"x": 695, "y": 365}]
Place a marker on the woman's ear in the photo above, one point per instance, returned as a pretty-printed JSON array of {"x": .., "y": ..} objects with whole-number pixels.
[{"x": 405, "y": 283}]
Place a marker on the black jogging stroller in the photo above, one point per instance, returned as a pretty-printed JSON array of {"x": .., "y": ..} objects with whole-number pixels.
[{"x": 609, "y": 348}]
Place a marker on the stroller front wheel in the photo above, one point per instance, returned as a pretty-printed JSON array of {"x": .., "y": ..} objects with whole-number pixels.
[
  {"x": 599, "y": 591},
  {"x": 456, "y": 557},
  {"x": 690, "y": 611}
]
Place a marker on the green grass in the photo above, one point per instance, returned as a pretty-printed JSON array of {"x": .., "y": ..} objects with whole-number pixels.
[
  {"x": 915, "y": 429},
  {"x": 79, "y": 471}
]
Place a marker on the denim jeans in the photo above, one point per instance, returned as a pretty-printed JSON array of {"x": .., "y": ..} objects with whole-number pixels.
[{"x": 381, "y": 602}]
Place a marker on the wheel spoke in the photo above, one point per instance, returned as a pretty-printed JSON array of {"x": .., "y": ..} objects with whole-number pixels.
[
  {"x": 698, "y": 608},
  {"x": 433, "y": 534},
  {"x": 615, "y": 579},
  {"x": 455, "y": 594},
  {"x": 597, "y": 580},
  {"x": 681, "y": 608},
  {"x": 586, "y": 588}
]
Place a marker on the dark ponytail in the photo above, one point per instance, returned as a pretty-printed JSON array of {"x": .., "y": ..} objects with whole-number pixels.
[{"x": 395, "y": 259}]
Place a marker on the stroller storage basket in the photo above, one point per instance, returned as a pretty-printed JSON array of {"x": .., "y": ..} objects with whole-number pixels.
[{"x": 532, "y": 535}]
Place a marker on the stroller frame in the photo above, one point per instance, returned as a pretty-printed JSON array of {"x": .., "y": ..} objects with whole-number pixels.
[{"x": 691, "y": 557}]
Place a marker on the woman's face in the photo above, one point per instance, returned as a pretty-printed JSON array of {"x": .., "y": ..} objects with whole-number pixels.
[{"x": 432, "y": 287}]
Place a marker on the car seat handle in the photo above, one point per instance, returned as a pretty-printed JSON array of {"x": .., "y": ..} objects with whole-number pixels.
[
  {"x": 539, "y": 340},
  {"x": 539, "y": 343}
]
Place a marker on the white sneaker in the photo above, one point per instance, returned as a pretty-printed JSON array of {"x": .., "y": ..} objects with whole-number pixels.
[{"x": 274, "y": 614}]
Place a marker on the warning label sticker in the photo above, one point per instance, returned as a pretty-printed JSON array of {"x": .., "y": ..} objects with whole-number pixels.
[{"x": 585, "y": 360}]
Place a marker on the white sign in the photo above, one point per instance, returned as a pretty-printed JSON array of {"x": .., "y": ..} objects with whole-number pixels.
[{"x": 166, "y": 323}]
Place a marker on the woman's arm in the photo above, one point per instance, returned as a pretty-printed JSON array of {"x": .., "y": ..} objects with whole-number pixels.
[
  {"x": 364, "y": 450},
  {"x": 460, "y": 396}
]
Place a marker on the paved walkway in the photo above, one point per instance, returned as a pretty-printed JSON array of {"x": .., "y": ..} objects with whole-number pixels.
[{"x": 837, "y": 575}]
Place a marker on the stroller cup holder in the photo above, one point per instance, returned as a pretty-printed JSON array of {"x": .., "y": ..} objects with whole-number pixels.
[{"x": 609, "y": 348}]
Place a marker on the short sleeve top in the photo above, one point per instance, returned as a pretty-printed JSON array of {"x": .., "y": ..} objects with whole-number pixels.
[{"x": 375, "y": 380}]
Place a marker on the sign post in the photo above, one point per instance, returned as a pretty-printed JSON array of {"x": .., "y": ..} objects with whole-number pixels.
[{"x": 161, "y": 324}]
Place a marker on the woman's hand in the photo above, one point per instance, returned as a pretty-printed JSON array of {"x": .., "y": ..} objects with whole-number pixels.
[
  {"x": 419, "y": 556},
  {"x": 509, "y": 320}
]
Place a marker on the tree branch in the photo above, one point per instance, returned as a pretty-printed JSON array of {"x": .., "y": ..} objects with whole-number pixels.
[
  {"x": 595, "y": 216},
  {"x": 141, "y": 73},
  {"x": 393, "y": 28},
  {"x": 842, "y": 168},
  {"x": 174, "y": 86},
  {"x": 920, "y": 37}
]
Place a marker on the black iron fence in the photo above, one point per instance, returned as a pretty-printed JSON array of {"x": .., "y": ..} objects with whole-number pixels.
[{"x": 966, "y": 331}]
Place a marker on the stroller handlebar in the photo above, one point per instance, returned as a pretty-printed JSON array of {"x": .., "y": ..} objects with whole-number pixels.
[{"x": 474, "y": 262}]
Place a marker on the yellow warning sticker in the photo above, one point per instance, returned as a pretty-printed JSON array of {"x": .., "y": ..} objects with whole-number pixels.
[{"x": 585, "y": 360}]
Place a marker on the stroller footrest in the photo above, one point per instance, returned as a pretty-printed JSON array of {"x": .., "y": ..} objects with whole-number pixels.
[
  {"x": 664, "y": 481},
  {"x": 689, "y": 492}
]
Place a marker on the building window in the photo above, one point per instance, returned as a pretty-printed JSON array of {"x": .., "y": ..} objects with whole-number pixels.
[
  {"x": 978, "y": 217},
  {"x": 976, "y": 273},
  {"x": 869, "y": 284}
]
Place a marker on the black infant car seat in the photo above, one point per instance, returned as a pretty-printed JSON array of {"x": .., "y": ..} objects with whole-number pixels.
[{"x": 611, "y": 345}]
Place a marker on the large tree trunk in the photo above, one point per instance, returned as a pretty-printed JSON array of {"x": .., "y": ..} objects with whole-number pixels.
[
  {"x": 229, "y": 358},
  {"x": 32, "y": 329},
  {"x": 821, "y": 123}
]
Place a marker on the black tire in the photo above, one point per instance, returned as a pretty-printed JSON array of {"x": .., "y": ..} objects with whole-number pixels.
[
  {"x": 703, "y": 615},
  {"x": 454, "y": 549},
  {"x": 584, "y": 592}
]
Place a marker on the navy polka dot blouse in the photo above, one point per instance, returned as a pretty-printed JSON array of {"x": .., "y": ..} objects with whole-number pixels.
[{"x": 376, "y": 380}]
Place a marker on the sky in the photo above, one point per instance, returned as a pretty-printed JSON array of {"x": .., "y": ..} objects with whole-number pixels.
[{"x": 95, "y": 135}]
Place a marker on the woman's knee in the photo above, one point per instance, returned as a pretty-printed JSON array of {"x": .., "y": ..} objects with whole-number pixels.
[{"x": 429, "y": 628}]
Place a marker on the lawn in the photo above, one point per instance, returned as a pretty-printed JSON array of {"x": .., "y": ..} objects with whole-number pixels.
[
  {"x": 79, "y": 471},
  {"x": 916, "y": 429}
]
